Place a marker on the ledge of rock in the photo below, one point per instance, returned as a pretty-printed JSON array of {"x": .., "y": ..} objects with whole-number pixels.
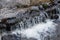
[{"x": 13, "y": 3}]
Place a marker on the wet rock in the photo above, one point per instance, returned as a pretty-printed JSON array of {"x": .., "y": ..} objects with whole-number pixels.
[
  {"x": 24, "y": 38},
  {"x": 40, "y": 7},
  {"x": 2, "y": 26},
  {"x": 55, "y": 17},
  {"x": 53, "y": 14},
  {"x": 6, "y": 23},
  {"x": 45, "y": 6},
  {"x": 10, "y": 37},
  {"x": 0, "y": 6},
  {"x": 34, "y": 8},
  {"x": 32, "y": 39},
  {"x": 56, "y": 1}
]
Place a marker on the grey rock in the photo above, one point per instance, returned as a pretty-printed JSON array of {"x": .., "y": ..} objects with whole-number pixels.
[{"x": 11, "y": 37}]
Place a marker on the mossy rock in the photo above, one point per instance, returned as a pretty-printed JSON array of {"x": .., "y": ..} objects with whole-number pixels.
[{"x": 45, "y": 6}]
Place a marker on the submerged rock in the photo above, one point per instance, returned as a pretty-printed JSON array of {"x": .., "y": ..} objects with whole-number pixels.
[{"x": 11, "y": 37}]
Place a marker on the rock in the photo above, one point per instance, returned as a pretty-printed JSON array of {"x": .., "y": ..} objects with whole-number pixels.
[
  {"x": 6, "y": 23},
  {"x": 45, "y": 6},
  {"x": 41, "y": 7},
  {"x": 2, "y": 26},
  {"x": 32, "y": 39},
  {"x": 57, "y": 1},
  {"x": 53, "y": 13},
  {"x": 54, "y": 17},
  {"x": 11, "y": 37},
  {"x": 15, "y": 37},
  {"x": 36, "y": 2},
  {"x": 34, "y": 8},
  {"x": 20, "y": 3}
]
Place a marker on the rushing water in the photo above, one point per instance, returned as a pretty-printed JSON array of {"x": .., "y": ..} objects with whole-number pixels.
[
  {"x": 39, "y": 31},
  {"x": 35, "y": 24},
  {"x": 38, "y": 27}
]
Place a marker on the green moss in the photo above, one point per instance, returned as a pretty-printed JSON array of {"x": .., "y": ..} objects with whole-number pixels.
[{"x": 45, "y": 6}]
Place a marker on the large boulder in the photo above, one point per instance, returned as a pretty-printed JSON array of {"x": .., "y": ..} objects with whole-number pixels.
[{"x": 13, "y": 3}]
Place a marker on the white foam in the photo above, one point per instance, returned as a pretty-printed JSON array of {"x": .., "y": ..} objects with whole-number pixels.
[{"x": 35, "y": 31}]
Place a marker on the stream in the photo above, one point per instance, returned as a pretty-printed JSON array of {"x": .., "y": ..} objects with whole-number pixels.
[{"x": 33, "y": 24}]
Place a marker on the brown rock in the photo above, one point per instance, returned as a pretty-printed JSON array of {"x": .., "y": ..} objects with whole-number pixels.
[{"x": 32, "y": 2}]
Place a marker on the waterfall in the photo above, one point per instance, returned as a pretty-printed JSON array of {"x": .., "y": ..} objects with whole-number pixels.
[
  {"x": 27, "y": 20},
  {"x": 39, "y": 30},
  {"x": 34, "y": 24},
  {"x": 38, "y": 27}
]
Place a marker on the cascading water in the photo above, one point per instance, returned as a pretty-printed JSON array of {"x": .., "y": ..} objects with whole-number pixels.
[
  {"x": 35, "y": 25},
  {"x": 33, "y": 19}
]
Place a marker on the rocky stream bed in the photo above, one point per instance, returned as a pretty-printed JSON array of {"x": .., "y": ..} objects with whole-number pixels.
[{"x": 39, "y": 22}]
